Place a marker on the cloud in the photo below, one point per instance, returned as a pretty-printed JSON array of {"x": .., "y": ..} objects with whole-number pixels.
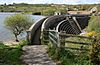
[
  {"x": 39, "y": 1},
  {"x": 74, "y": 1},
  {"x": 50, "y": 1},
  {"x": 56, "y": 1},
  {"x": 89, "y": 1},
  {"x": 47, "y": 1},
  {"x": 22, "y": 1}
]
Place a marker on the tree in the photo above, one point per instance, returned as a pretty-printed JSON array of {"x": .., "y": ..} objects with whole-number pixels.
[{"x": 17, "y": 24}]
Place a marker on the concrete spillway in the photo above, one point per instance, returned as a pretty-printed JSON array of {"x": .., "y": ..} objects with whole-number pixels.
[
  {"x": 35, "y": 32},
  {"x": 71, "y": 24}
]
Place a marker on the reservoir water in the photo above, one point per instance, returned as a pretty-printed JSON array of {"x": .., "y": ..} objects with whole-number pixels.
[{"x": 6, "y": 34}]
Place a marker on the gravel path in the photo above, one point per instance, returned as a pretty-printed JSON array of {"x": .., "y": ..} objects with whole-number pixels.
[{"x": 36, "y": 55}]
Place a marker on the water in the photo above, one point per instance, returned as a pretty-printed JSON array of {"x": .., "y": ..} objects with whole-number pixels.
[{"x": 6, "y": 34}]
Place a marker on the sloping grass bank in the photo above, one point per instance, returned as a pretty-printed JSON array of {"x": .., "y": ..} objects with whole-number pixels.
[
  {"x": 11, "y": 55},
  {"x": 66, "y": 57}
]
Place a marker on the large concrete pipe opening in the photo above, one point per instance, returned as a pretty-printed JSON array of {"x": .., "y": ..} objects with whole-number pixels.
[{"x": 72, "y": 24}]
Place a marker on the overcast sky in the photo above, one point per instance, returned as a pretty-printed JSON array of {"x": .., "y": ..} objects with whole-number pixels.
[{"x": 50, "y": 1}]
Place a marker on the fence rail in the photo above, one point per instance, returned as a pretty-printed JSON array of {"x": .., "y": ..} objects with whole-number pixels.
[
  {"x": 71, "y": 35},
  {"x": 64, "y": 44},
  {"x": 73, "y": 42},
  {"x": 59, "y": 39},
  {"x": 77, "y": 49}
]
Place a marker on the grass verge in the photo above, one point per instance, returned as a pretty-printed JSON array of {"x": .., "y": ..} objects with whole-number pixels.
[
  {"x": 11, "y": 55},
  {"x": 66, "y": 57}
]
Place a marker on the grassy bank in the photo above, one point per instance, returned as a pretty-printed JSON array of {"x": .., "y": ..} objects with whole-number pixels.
[{"x": 11, "y": 55}]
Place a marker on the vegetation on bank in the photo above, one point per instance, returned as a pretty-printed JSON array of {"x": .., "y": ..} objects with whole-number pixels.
[
  {"x": 44, "y": 9},
  {"x": 18, "y": 24},
  {"x": 94, "y": 24},
  {"x": 68, "y": 57},
  {"x": 94, "y": 27},
  {"x": 11, "y": 55}
]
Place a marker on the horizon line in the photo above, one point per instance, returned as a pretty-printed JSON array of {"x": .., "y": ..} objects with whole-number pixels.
[{"x": 53, "y": 3}]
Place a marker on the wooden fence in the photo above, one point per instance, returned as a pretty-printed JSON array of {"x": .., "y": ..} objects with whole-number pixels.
[{"x": 59, "y": 39}]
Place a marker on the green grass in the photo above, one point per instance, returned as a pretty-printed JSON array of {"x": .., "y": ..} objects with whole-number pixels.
[
  {"x": 11, "y": 55},
  {"x": 67, "y": 57}
]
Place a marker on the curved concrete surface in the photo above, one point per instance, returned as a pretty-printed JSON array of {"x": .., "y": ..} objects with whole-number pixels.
[
  {"x": 58, "y": 26},
  {"x": 52, "y": 22},
  {"x": 66, "y": 26},
  {"x": 82, "y": 20},
  {"x": 35, "y": 32},
  {"x": 57, "y": 22}
]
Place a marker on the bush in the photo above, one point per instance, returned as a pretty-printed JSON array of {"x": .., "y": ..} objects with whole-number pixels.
[
  {"x": 21, "y": 44},
  {"x": 95, "y": 53},
  {"x": 67, "y": 57},
  {"x": 9, "y": 55},
  {"x": 94, "y": 24},
  {"x": 48, "y": 12},
  {"x": 18, "y": 24},
  {"x": 91, "y": 34}
]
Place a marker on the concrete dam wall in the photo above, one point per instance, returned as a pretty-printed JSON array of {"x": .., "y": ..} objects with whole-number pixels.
[{"x": 71, "y": 24}]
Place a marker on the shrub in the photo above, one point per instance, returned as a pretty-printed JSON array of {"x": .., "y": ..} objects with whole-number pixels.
[
  {"x": 63, "y": 56},
  {"x": 91, "y": 34},
  {"x": 9, "y": 55},
  {"x": 95, "y": 53},
  {"x": 94, "y": 24},
  {"x": 18, "y": 24}
]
